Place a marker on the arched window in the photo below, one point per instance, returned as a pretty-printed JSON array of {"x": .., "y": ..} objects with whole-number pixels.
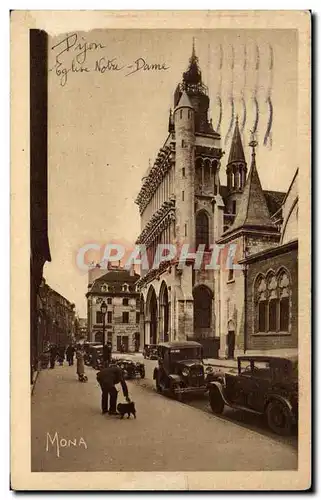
[
  {"x": 284, "y": 294},
  {"x": 202, "y": 229},
  {"x": 272, "y": 303},
  {"x": 202, "y": 307},
  {"x": 261, "y": 305}
]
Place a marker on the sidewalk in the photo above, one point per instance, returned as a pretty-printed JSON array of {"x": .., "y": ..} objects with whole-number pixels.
[{"x": 219, "y": 363}]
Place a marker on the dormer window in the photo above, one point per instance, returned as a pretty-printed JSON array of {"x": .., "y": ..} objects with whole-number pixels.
[
  {"x": 125, "y": 287},
  {"x": 104, "y": 288}
]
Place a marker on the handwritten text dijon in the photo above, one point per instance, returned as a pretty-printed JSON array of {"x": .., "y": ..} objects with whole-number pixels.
[{"x": 76, "y": 55}]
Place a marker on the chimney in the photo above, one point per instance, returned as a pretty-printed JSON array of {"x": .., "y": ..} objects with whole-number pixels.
[{"x": 132, "y": 270}]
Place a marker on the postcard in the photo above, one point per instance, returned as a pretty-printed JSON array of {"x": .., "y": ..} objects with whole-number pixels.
[{"x": 161, "y": 228}]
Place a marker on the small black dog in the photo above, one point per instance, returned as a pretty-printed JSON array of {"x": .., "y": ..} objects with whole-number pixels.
[{"x": 128, "y": 408}]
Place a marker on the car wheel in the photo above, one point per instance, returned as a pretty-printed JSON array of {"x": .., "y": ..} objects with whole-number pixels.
[
  {"x": 216, "y": 401},
  {"x": 176, "y": 395},
  {"x": 279, "y": 418}
]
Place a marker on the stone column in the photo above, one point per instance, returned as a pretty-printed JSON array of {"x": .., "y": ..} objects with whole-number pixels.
[
  {"x": 222, "y": 318},
  {"x": 170, "y": 334},
  {"x": 147, "y": 331},
  {"x": 161, "y": 323},
  {"x": 180, "y": 320},
  {"x": 189, "y": 318}
]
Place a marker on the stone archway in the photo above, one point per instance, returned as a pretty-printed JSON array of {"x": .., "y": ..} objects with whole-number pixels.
[
  {"x": 230, "y": 340},
  {"x": 151, "y": 316},
  {"x": 142, "y": 339},
  {"x": 164, "y": 313}
]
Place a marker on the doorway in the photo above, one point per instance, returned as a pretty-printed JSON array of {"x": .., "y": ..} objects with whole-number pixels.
[
  {"x": 122, "y": 339},
  {"x": 230, "y": 344}
]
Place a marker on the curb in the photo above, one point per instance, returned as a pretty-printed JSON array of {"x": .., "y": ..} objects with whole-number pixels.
[{"x": 34, "y": 382}]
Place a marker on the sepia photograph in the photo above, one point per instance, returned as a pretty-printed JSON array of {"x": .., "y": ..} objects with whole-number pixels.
[{"x": 168, "y": 295}]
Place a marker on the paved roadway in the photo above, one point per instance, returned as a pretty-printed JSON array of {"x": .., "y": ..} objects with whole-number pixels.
[
  {"x": 246, "y": 420},
  {"x": 166, "y": 436}
]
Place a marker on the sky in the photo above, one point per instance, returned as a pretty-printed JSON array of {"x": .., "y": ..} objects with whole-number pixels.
[{"x": 106, "y": 125}]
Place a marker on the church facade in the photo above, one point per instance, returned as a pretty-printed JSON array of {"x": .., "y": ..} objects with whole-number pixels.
[{"x": 183, "y": 202}]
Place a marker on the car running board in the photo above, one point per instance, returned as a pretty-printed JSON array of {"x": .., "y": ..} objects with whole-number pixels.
[{"x": 244, "y": 408}]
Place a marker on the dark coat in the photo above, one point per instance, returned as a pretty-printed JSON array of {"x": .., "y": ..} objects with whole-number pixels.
[
  {"x": 70, "y": 351},
  {"x": 110, "y": 376},
  {"x": 53, "y": 352},
  {"x": 107, "y": 352}
]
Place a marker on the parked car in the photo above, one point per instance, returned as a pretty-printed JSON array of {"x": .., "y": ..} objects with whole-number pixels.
[
  {"x": 180, "y": 369},
  {"x": 130, "y": 368},
  {"x": 94, "y": 356},
  {"x": 150, "y": 351},
  {"x": 87, "y": 348},
  {"x": 264, "y": 385}
]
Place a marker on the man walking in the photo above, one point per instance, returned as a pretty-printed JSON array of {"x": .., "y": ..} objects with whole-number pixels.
[
  {"x": 70, "y": 354},
  {"x": 108, "y": 377},
  {"x": 107, "y": 354},
  {"x": 53, "y": 355}
]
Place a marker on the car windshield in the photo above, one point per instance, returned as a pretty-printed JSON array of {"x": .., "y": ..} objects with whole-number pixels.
[{"x": 185, "y": 353}]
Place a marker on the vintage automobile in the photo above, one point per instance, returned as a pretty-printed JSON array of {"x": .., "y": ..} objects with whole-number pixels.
[
  {"x": 88, "y": 350},
  {"x": 150, "y": 351},
  {"x": 264, "y": 385},
  {"x": 94, "y": 356},
  {"x": 180, "y": 369},
  {"x": 130, "y": 368}
]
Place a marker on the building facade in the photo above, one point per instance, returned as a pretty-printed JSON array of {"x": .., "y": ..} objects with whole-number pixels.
[
  {"x": 82, "y": 328},
  {"x": 56, "y": 317},
  {"x": 117, "y": 288},
  {"x": 272, "y": 288},
  {"x": 39, "y": 243},
  {"x": 183, "y": 202}
]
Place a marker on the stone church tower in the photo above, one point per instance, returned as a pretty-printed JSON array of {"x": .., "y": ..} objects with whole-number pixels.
[
  {"x": 182, "y": 202},
  {"x": 252, "y": 231}
]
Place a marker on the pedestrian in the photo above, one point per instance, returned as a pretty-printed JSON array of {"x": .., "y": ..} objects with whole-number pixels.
[
  {"x": 70, "y": 354},
  {"x": 107, "y": 354},
  {"x": 61, "y": 354},
  {"x": 108, "y": 377},
  {"x": 53, "y": 355},
  {"x": 80, "y": 354}
]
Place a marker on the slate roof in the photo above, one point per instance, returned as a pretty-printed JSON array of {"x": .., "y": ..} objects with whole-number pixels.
[
  {"x": 253, "y": 211},
  {"x": 114, "y": 277},
  {"x": 274, "y": 199},
  {"x": 184, "y": 102},
  {"x": 236, "y": 151}
]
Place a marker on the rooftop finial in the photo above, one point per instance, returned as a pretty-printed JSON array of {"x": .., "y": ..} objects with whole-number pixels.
[
  {"x": 193, "y": 47},
  {"x": 253, "y": 143}
]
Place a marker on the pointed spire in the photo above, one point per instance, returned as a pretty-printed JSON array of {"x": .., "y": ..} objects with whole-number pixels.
[
  {"x": 184, "y": 101},
  {"x": 193, "y": 49},
  {"x": 236, "y": 151},
  {"x": 253, "y": 212}
]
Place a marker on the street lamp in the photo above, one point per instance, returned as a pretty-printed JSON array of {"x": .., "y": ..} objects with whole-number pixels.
[{"x": 103, "y": 309}]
